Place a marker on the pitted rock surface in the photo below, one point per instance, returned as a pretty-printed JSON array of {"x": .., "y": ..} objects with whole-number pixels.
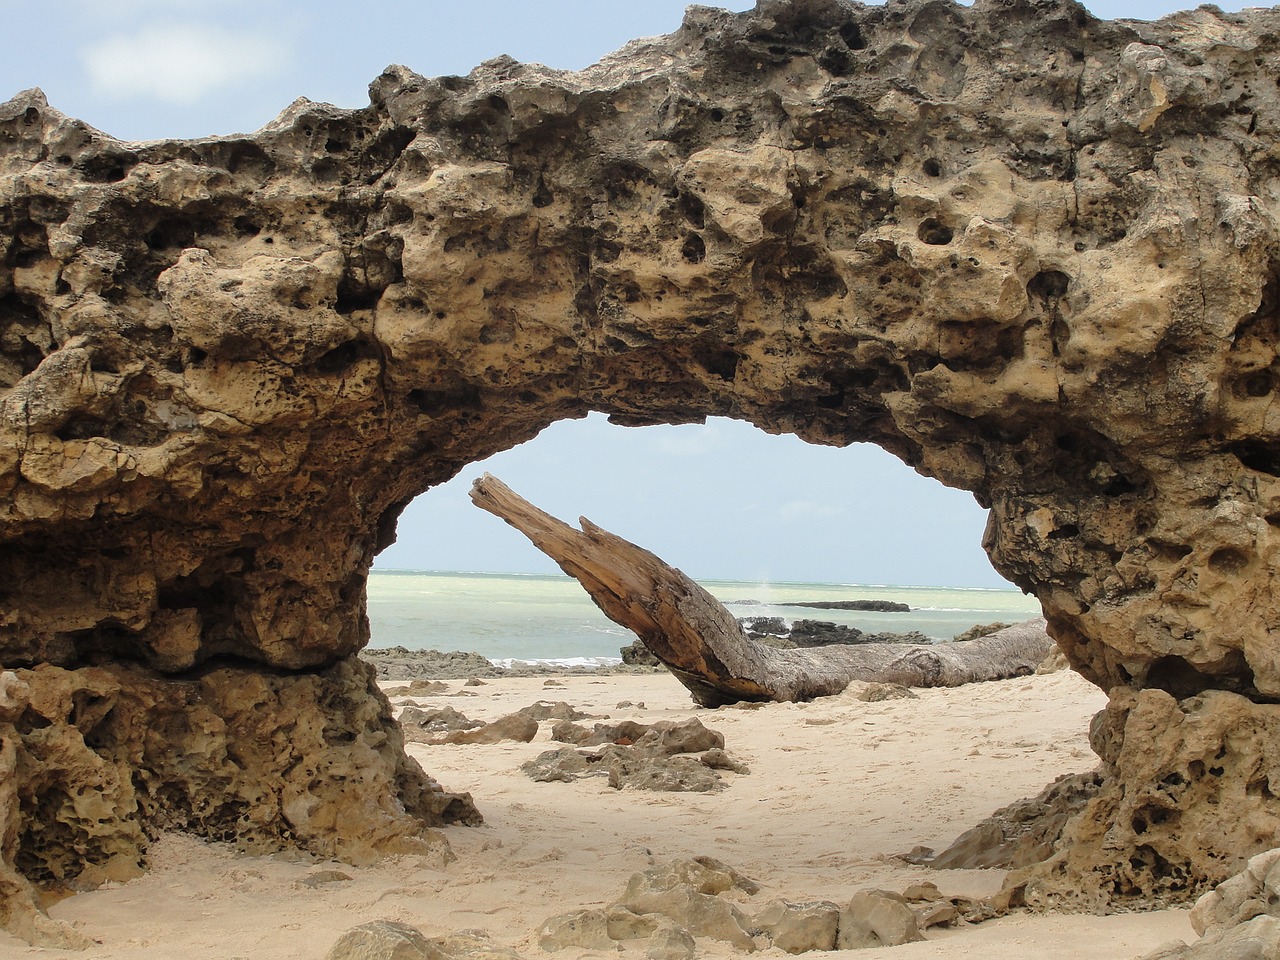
[{"x": 1031, "y": 253}]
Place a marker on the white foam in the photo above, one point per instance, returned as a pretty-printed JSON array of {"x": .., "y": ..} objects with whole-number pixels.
[{"x": 589, "y": 662}]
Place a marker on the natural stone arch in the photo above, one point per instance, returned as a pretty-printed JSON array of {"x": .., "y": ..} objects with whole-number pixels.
[{"x": 1030, "y": 253}]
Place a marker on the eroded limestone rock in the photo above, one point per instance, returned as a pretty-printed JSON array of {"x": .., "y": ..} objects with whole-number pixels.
[
  {"x": 1240, "y": 918},
  {"x": 1030, "y": 253},
  {"x": 688, "y": 892},
  {"x": 552, "y": 710},
  {"x": 385, "y": 940},
  {"x": 581, "y": 928},
  {"x": 876, "y": 918},
  {"x": 1195, "y": 776},
  {"x": 310, "y": 761},
  {"x": 800, "y": 927},
  {"x": 1023, "y": 832},
  {"x": 518, "y": 727},
  {"x": 671, "y": 904},
  {"x": 670, "y": 756}
]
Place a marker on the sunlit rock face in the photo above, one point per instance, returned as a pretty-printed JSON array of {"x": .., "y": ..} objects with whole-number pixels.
[{"x": 1031, "y": 253}]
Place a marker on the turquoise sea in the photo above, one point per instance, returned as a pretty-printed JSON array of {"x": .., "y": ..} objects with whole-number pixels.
[{"x": 550, "y": 618}]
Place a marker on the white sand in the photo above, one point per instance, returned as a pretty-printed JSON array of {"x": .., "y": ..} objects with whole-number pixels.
[{"x": 837, "y": 786}]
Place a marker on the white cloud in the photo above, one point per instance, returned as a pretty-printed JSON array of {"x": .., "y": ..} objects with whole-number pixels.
[
  {"x": 180, "y": 63},
  {"x": 801, "y": 510}
]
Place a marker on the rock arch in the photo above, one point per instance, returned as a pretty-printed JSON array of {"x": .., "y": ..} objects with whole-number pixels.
[{"x": 1031, "y": 253}]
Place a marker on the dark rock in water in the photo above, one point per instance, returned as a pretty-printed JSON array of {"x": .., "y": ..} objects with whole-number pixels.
[
  {"x": 821, "y": 633},
  {"x": 638, "y": 655},
  {"x": 873, "y": 606},
  {"x": 765, "y": 626}
]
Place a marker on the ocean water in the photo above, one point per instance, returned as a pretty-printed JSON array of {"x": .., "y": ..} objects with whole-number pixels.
[{"x": 508, "y": 617}]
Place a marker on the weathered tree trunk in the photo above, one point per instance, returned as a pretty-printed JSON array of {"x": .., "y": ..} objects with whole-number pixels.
[{"x": 701, "y": 642}]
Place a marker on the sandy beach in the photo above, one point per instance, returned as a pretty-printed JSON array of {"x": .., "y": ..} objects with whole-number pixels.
[{"x": 837, "y": 787}]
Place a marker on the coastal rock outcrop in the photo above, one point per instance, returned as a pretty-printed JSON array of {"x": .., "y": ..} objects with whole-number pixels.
[{"x": 1033, "y": 254}]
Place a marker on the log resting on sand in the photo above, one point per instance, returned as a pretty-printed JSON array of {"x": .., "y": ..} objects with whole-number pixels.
[{"x": 701, "y": 642}]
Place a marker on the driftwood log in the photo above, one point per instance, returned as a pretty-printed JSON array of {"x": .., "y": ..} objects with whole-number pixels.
[{"x": 704, "y": 646}]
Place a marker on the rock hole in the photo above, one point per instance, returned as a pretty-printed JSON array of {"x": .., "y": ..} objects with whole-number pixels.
[
  {"x": 31, "y": 720},
  {"x": 720, "y": 363},
  {"x": 852, "y": 36},
  {"x": 542, "y": 197},
  {"x": 935, "y": 233},
  {"x": 694, "y": 249},
  {"x": 1258, "y": 455},
  {"x": 431, "y": 402},
  {"x": 31, "y": 116},
  {"x": 1065, "y": 532},
  {"x": 1169, "y": 552},
  {"x": 693, "y": 210},
  {"x": 251, "y": 159},
  {"x": 1048, "y": 285},
  {"x": 1195, "y": 769},
  {"x": 107, "y": 167},
  {"x": 327, "y": 170},
  {"x": 173, "y": 233},
  {"x": 398, "y": 213},
  {"x": 1119, "y": 486},
  {"x": 931, "y": 168},
  {"x": 353, "y": 296},
  {"x": 1257, "y": 384},
  {"x": 1180, "y": 678},
  {"x": 346, "y": 355},
  {"x": 717, "y": 114},
  {"x": 1228, "y": 560},
  {"x": 1261, "y": 787},
  {"x": 81, "y": 427},
  {"x": 836, "y": 62}
]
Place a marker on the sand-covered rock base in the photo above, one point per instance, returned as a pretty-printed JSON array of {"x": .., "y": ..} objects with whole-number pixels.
[{"x": 837, "y": 788}]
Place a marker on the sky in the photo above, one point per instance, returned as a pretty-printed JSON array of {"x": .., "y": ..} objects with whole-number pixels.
[{"x": 722, "y": 500}]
